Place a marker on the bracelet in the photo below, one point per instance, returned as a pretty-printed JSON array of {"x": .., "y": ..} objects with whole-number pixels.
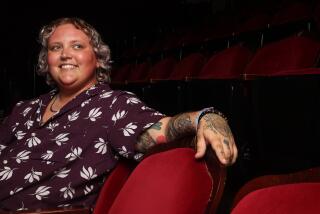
[{"x": 207, "y": 111}]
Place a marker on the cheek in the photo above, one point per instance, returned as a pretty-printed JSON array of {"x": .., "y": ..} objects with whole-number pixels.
[
  {"x": 88, "y": 60},
  {"x": 52, "y": 59}
]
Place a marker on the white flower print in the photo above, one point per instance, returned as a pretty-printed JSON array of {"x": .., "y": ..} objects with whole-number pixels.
[
  {"x": 101, "y": 145},
  {"x": 33, "y": 140},
  {"x": 68, "y": 191},
  {"x": 47, "y": 156},
  {"x": 133, "y": 100},
  {"x": 18, "y": 189},
  {"x": 34, "y": 101},
  {"x": 88, "y": 189},
  {"x": 138, "y": 156},
  {"x": 119, "y": 115},
  {"x": 20, "y": 135},
  {"x": 26, "y": 111},
  {"x": 22, "y": 207},
  {"x": 64, "y": 205},
  {"x": 124, "y": 152},
  {"x": 106, "y": 94},
  {"x": 148, "y": 125},
  {"x": 88, "y": 174},
  {"x": 14, "y": 127},
  {"x": 75, "y": 153},
  {"x": 94, "y": 114},
  {"x": 85, "y": 102},
  {"x": 90, "y": 89},
  {"x": 22, "y": 156},
  {"x": 61, "y": 138},
  {"x": 19, "y": 103},
  {"x": 157, "y": 113},
  {"x": 113, "y": 101},
  {"x": 62, "y": 173},
  {"x": 33, "y": 175},
  {"x": 129, "y": 129},
  {"x": 38, "y": 119},
  {"x": 73, "y": 116},
  {"x": 29, "y": 123},
  {"x": 145, "y": 108},
  {"x": 42, "y": 192},
  {"x": 6, "y": 173},
  {"x": 2, "y": 147},
  {"x": 52, "y": 125}
]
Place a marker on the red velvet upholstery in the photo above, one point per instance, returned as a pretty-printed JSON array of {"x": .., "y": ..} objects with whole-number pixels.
[
  {"x": 288, "y": 55},
  {"x": 168, "y": 182},
  {"x": 120, "y": 74},
  {"x": 188, "y": 66},
  {"x": 162, "y": 69},
  {"x": 288, "y": 198},
  {"x": 227, "y": 64},
  {"x": 112, "y": 186},
  {"x": 139, "y": 72},
  {"x": 309, "y": 175}
]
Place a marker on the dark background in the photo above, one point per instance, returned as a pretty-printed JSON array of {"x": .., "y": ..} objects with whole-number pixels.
[
  {"x": 275, "y": 121},
  {"x": 119, "y": 22}
]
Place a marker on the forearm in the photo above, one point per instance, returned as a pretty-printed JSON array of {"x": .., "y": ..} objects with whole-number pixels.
[{"x": 166, "y": 130}]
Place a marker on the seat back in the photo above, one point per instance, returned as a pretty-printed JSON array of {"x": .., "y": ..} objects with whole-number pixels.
[
  {"x": 285, "y": 56},
  {"x": 162, "y": 69},
  {"x": 112, "y": 186},
  {"x": 188, "y": 66},
  {"x": 226, "y": 64},
  {"x": 171, "y": 181},
  {"x": 288, "y": 198},
  {"x": 280, "y": 193}
]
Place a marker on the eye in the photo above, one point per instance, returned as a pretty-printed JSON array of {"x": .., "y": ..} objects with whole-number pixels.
[
  {"x": 77, "y": 46},
  {"x": 54, "y": 47}
]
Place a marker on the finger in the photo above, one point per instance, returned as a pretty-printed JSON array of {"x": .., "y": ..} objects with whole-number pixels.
[
  {"x": 201, "y": 147},
  {"x": 227, "y": 150},
  {"x": 218, "y": 148}
]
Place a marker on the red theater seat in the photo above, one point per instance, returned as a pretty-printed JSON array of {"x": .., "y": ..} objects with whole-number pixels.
[
  {"x": 288, "y": 56},
  {"x": 292, "y": 193},
  {"x": 188, "y": 66},
  {"x": 171, "y": 182},
  {"x": 226, "y": 64},
  {"x": 162, "y": 69}
]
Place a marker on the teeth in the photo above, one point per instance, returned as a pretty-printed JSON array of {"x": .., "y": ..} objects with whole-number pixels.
[{"x": 68, "y": 66}]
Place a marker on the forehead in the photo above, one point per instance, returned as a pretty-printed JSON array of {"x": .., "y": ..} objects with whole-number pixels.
[{"x": 67, "y": 32}]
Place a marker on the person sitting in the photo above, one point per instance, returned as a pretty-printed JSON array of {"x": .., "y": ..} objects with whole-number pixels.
[{"x": 57, "y": 149}]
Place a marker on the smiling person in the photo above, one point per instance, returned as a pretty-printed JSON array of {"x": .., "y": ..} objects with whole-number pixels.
[{"x": 56, "y": 150}]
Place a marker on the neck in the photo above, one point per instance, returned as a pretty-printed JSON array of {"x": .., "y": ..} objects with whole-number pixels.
[{"x": 66, "y": 94}]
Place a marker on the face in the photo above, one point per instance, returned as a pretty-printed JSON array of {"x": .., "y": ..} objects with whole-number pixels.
[{"x": 71, "y": 59}]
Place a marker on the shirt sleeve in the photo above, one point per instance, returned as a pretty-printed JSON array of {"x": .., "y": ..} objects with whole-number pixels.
[{"x": 130, "y": 117}]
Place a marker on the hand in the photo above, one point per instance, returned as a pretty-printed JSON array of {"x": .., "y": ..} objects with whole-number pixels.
[{"x": 214, "y": 130}]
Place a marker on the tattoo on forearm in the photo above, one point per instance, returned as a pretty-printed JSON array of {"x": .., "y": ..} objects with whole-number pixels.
[
  {"x": 217, "y": 124},
  {"x": 156, "y": 126},
  {"x": 179, "y": 126},
  {"x": 145, "y": 141}
]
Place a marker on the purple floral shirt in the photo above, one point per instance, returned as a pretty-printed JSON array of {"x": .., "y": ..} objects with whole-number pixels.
[{"x": 64, "y": 161}]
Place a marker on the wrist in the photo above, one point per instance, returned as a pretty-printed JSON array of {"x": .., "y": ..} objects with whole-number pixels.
[{"x": 209, "y": 110}]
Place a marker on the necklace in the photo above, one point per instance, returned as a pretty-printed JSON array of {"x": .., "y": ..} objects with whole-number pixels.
[{"x": 53, "y": 102}]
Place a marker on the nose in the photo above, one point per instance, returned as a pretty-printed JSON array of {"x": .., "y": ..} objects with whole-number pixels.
[{"x": 65, "y": 54}]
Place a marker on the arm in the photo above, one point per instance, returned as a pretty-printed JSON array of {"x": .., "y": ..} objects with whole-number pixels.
[{"x": 212, "y": 130}]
